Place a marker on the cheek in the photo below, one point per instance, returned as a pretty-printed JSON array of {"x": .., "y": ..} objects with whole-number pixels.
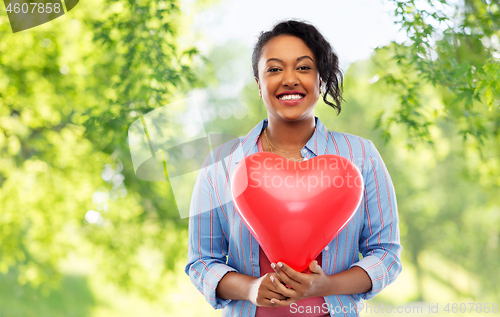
[
  {"x": 270, "y": 88},
  {"x": 312, "y": 82}
]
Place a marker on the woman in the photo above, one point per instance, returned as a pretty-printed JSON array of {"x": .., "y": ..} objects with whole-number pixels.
[{"x": 293, "y": 64}]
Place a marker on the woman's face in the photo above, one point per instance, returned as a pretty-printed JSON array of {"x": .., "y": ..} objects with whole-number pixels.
[{"x": 288, "y": 80}]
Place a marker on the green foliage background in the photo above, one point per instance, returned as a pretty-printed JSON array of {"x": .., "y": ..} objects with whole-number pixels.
[{"x": 69, "y": 90}]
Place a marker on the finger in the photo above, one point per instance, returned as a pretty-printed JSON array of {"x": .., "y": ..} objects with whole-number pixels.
[
  {"x": 276, "y": 279},
  {"x": 281, "y": 288},
  {"x": 277, "y": 270},
  {"x": 275, "y": 288},
  {"x": 286, "y": 281},
  {"x": 269, "y": 293},
  {"x": 273, "y": 279},
  {"x": 315, "y": 268},
  {"x": 267, "y": 300},
  {"x": 285, "y": 302},
  {"x": 275, "y": 294},
  {"x": 288, "y": 292},
  {"x": 290, "y": 276}
]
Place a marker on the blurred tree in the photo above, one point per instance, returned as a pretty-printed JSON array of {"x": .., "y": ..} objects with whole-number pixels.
[
  {"x": 451, "y": 207},
  {"x": 69, "y": 90},
  {"x": 454, "y": 45},
  {"x": 447, "y": 195}
]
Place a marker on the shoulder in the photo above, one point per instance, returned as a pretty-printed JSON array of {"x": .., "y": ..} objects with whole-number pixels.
[
  {"x": 351, "y": 140},
  {"x": 350, "y": 137},
  {"x": 225, "y": 152},
  {"x": 360, "y": 150}
]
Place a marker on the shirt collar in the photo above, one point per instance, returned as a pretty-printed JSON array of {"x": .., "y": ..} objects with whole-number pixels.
[{"x": 316, "y": 144}]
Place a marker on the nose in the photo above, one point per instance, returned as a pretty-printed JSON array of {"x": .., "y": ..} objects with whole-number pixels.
[{"x": 290, "y": 78}]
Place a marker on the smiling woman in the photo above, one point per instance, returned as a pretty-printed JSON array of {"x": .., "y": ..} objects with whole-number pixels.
[
  {"x": 289, "y": 85},
  {"x": 321, "y": 54},
  {"x": 293, "y": 63},
  {"x": 290, "y": 88}
]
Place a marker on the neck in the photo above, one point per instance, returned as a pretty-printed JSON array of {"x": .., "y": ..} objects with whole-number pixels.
[{"x": 290, "y": 135}]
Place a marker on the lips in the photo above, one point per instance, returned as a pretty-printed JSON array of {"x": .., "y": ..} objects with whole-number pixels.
[
  {"x": 290, "y": 92},
  {"x": 291, "y": 101}
]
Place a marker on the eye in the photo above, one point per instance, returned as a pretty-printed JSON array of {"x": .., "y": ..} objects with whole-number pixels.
[
  {"x": 273, "y": 70},
  {"x": 304, "y": 67}
]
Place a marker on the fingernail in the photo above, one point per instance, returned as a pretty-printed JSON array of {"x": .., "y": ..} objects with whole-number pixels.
[
  {"x": 272, "y": 302},
  {"x": 272, "y": 278},
  {"x": 280, "y": 264},
  {"x": 273, "y": 265}
]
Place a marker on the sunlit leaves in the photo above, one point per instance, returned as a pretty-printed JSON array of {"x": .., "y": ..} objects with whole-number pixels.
[
  {"x": 448, "y": 51},
  {"x": 67, "y": 90}
]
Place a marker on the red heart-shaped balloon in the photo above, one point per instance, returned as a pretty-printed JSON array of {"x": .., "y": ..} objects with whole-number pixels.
[{"x": 294, "y": 209}]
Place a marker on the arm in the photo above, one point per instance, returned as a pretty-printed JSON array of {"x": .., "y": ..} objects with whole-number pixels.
[
  {"x": 207, "y": 249},
  {"x": 259, "y": 291},
  {"x": 352, "y": 281},
  {"x": 206, "y": 266},
  {"x": 379, "y": 242},
  {"x": 235, "y": 286}
]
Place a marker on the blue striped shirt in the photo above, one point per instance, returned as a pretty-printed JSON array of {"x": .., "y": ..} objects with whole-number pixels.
[{"x": 220, "y": 242}]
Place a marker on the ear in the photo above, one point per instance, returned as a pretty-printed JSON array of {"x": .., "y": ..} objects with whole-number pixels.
[{"x": 258, "y": 85}]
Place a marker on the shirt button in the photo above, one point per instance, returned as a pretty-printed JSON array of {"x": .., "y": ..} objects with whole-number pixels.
[
  {"x": 326, "y": 248},
  {"x": 304, "y": 151}
]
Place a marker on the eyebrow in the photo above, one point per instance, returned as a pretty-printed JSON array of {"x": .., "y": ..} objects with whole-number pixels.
[{"x": 298, "y": 59}]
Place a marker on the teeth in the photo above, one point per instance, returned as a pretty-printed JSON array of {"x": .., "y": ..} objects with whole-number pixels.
[{"x": 291, "y": 97}]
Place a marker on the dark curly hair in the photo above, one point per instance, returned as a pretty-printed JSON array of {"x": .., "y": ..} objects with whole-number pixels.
[{"x": 326, "y": 59}]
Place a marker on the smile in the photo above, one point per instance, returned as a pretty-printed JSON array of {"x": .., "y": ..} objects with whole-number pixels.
[{"x": 290, "y": 97}]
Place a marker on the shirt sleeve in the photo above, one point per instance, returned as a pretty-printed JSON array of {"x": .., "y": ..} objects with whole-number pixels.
[
  {"x": 207, "y": 246},
  {"x": 379, "y": 242}
]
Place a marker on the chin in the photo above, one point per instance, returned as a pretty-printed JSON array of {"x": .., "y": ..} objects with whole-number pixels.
[{"x": 292, "y": 116}]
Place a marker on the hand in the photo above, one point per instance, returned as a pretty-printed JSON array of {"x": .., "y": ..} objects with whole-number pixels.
[
  {"x": 263, "y": 291},
  {"x": 302, "y": 285}
]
